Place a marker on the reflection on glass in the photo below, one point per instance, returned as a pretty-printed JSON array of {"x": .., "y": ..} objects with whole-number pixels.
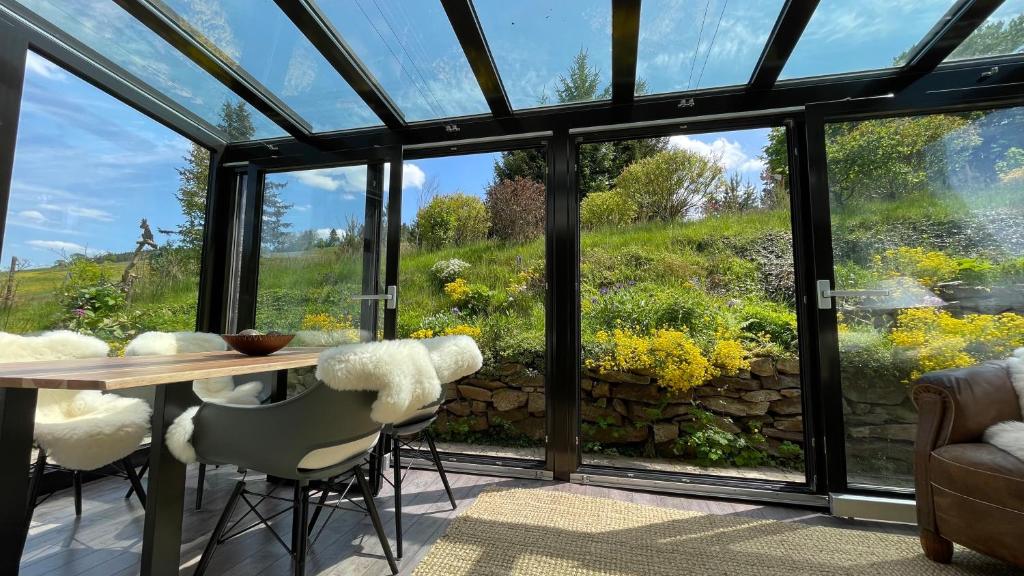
[
  {"x": 108, "y": 245},
  {"x": 851, "y": 36},
  {"x": 685, "y": 46},
  {"x": 927, "y": 211},
  {"x": 411, "y": 49},
  {"x": 1002, "y": 33},
  {"x": 472, "y": 262},
  {"x": 688, "y": 313},
  {"x": 550, "y": 52},
  {"x": 114, "y": 34},
  {"x": 258, "y": 37},
  {"x": 311, "y": 254}
]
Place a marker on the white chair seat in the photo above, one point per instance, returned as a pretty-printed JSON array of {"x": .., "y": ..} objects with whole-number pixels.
[{"x": 88, "y": 430}]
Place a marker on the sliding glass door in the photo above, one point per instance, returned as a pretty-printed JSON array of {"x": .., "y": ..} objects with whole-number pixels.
[{"x": 926, "y": 222}]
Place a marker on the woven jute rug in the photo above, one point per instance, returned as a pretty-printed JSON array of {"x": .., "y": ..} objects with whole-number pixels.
[{"x": 541, "y": 533}]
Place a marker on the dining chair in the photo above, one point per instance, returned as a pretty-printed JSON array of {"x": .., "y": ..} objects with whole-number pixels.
[
  {"x": 78, "y": 430},
  {"x": 321, "y": 434},
  {"x": 221, "y": 390}
]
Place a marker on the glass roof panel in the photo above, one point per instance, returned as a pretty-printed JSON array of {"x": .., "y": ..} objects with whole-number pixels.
[
  {"x": 535, "y": 43},
  {"x": 853, "y": 35},
  {"x": 258, "y": 37},
  {"x": 686, "y": 45},
  {"x": 115, "y": 35},
  {"x": 412, "y": 51},
  {"x": 1001, "y": 34}
]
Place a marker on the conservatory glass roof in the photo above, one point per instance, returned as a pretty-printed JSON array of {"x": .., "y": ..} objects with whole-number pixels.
[{"x": 305, "y": 68}]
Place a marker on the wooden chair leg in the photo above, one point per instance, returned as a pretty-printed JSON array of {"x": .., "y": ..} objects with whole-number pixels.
[
  {"x": 76, "y": 479},
  {"x": 136, "y": 482},
  {"x": 371, "y": 507},
  {"x": 935, "y": 547},
  {"x": 396, "y": 455},
  {"x": 218, "y": 531},
  {"x": 199, "y": 486},
  {"x": 440, "y": 467}
]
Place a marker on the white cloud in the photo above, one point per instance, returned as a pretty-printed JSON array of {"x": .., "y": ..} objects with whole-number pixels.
[
  {"x": 352, "y": 179},
  {"x": 302, "y": 207},
  {"x": 729, "y": 154},
  {"x": 80, "y": 212},
  {"x": 36, "y": 64},
  {"x": 33, "y": 216},
  {"x": 58, "y": 245}
]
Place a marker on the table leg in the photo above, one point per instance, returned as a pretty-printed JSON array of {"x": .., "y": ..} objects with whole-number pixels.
[
  {"x": 17, "y": 417},
  {"x": 279, "y": 393},
  {"x": 165, "y": 498}
]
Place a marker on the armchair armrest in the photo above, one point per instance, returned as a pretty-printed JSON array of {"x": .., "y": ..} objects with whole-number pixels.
[{"x": 956, "y": 406}]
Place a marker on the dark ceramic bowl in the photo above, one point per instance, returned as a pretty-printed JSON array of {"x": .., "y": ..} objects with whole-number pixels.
[{"x": 253, "y": 345}]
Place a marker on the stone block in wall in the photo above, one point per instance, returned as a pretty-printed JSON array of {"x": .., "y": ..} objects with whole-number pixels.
[
  {"x": 474, "y": 393},
  {"x": 868, "y": 390},
  {"x": 638, "y": 392},
  {"x": 734, "y": 406},
  {"x": 787, "y": 406},
  {"x": 619, "y": 406},
  {"x": 676, "y": 410},
  {"x": 478, "y": 422},
  {"x": 780, "y": 381},
  {"x": 625, "y": 377},
  {"x": 514, "y": 415},
  {"x": 762, "y": 366},
  {"x": 709, "y": 390},
  {"x": 478, "y": 407},
  {"x": 535, "y": 403},
  {"x": 783, "y": 434},
  {"x": 756, "y": 422},
  {"x": 458, "y": 408},
  {"x": 761, "y": 396},
  {"x": 734, "y": 383},
  {"x": 509, "y": 368},
  {"x": 532, "y": 427},
  {"x": 507, "y": 399},
  {"x": 530, "y": 379},
  {"x": 665, "y": 432},
  {"x": 904, "y": 432},
  {"x": 486, "y": 384},
  {"x": 790, "y": 424},
  {"x": 593, "y": 413},
  {"x": 625, "y": 434},
  {"x": 586, "y": 384},
  {"x": 451, "y": 391},
  {"x": 788, "y": 365},
  {"x": 601, "y": 389},
  {"x": 791, "y": 392},
  {"x": 724, "y": 424}
]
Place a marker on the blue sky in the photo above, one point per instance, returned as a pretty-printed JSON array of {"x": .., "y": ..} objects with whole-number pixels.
[{"x": 88, "y": 168}]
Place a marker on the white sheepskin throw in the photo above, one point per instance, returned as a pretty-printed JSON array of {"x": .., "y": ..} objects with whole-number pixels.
[
  {"x": 56, "y": 345},
  {"x": 1009, "y": 436},
  {"x": 454, "y": 357},
  {"x": 91, "y": 429},
  {"x": 179, "y": 436},
  {"x": 399, "y": 371},
  {"x": 221, "y": 390}
]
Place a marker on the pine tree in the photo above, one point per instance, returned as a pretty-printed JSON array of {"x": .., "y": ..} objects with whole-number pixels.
[
  {"x": 275, "y": 234},
  {"x": 193, "y": 180}
]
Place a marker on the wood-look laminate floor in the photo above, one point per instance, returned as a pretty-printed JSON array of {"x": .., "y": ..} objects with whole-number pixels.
[{"x": 107, "y": 539}]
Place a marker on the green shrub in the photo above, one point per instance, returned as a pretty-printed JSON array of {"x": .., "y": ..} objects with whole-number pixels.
[
  {"x": 768, "y": 322},
  {"x": 868, "y": 356},
  {"x": 517, "y": 209},
  {"x": 646, "y": 307},
  {"x": 669, "y": 184},
  {"x": 611, "y": 209},
  {"x": 976, "y": 271},
  {"x": 452, "y": 220}
]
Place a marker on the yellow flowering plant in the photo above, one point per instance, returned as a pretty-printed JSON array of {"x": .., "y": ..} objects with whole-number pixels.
[
  {"x": 324, "y": 322},
  {"x": 670, "y": 354},
  {"x": 462, "y": 330},
  {"x": 930, "y": 268},
  {"x": 422, "y": 333}
]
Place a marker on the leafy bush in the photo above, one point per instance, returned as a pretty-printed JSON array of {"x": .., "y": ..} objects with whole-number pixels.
[
  {"x": 935, "y": 339},
  {"x": 610, "y": 209},
  {"x": 768, "y": 322},
  {"x": 452, "y": 220},
  {"x": 517, "y": 209},
  {"x": 669, "y": 184},
  {"x": 445, "y": 271},
  {"x": 647, "y": 307},
  {"x": 471, "y": 298},
  {"x": 709, "y": 444}
]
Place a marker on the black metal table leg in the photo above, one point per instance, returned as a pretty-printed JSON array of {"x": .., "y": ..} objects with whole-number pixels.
[
  {"x": 17, "y": 418},
  {"x": 165, "y": 498},
  {"x": 279, "y": 393}
]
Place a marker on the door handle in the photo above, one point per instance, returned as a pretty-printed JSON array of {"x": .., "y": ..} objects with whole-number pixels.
[
  {"x": 390, "y": 297},
  {"x": 826, "y": 294}
]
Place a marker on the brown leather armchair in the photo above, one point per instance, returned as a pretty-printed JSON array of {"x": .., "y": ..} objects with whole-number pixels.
[{"x": 968, "y": 492}]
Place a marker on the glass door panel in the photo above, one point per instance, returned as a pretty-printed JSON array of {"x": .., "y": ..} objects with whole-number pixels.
[
  {"x": 927, "y": 217},
  {"x": 689, "y": 323}
]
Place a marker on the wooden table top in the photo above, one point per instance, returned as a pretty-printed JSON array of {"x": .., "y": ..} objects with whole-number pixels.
[{"x": 135, "y": 371}]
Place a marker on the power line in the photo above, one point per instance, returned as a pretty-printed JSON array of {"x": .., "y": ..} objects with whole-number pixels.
[
  {"x": 440, "y": 110},
  {"x": 696, "y": 49},
  {"x": 712, "y": 45}
]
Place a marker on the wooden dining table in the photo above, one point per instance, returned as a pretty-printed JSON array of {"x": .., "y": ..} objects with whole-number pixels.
[{"x": 172, "y": 376}]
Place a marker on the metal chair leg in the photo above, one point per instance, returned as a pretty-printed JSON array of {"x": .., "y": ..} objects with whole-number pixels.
[
  {"x": 300, "y": 529},
  {"x": 76, "y": 479},
  {"x": 199, "y": 486},
  {"x": 136, "y": 482},
  {"x": 324, "y": 491},
  {"x": 440, "y": 467},
  {"x": 142, "y": 472},
  {"x": 218, "y": 531},
  {"x": 33, "y": 487},
  {"x": 371, "y": 507},
  {"x": 396, "y": 450}
]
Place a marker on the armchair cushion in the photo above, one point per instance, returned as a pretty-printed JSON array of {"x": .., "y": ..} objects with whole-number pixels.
[{"x": 979, "y": 471}]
